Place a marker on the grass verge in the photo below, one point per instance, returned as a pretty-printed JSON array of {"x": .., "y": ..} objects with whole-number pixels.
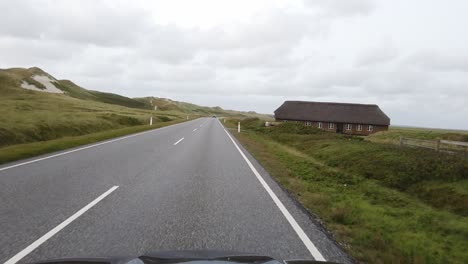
[
  {"x": 22, "y": 151},
  {"x": 394, "y": 133},
  {"x": 378, "y": 222}
]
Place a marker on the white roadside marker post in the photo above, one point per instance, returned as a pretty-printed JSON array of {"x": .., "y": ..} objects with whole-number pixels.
[
  {"x": 151, "y": 118},
  {"x": 238, "y": 127}
]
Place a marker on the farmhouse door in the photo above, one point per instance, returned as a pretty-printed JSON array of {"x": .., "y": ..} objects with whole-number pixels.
[{"x": 339, "y": 128}]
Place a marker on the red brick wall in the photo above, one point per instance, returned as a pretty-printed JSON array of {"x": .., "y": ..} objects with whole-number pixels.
[
  {"x": 324, "y": 125},
  {"x": 353, "y": 131}
]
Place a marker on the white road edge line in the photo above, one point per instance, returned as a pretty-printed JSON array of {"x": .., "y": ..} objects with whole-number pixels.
[
  {"x": 56, "y": 229},
  {"x": 300, "y": 232},
  {"x": 178, "y": 141},
  {"x": 87, "y": 147}
]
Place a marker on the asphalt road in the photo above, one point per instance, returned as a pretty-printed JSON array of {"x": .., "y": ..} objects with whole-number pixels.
[{"x": 181, "y": 187}]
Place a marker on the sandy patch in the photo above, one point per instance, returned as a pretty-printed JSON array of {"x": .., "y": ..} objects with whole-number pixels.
[{"x": 46, "y": 81}]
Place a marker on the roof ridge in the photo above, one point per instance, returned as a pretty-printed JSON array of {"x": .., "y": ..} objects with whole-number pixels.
[{"x": 330, "y": 103}]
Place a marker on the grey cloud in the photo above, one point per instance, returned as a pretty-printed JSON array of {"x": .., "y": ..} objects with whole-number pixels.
[
  {"x": 398, "y": 81},
  {"x": 270, "y": 39},
  {"x": 100, "y": 62},
  {"x": 21, "y": 19},
  {"x": 343, "y": 8},
  {"x": 268, "y": 43},
  {"x": 105, "y": 24},
  {"x": 99, "y": 69},
  {"x": 97, "y": 22},
  {"x": 173, "y": 74},
  {"x": 435, "y": 61},
  {"x": 278, "y": 27},
  {"x": 36, "y": 52},
  {"x": 372, "y": 56},
  {"x": 275, "y": 56},
  {"x": 170, "y": 44},
  {"x": 186, "y": 74}
]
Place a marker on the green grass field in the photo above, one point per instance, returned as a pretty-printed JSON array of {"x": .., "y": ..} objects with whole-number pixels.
[
  {"x": 386, "y": 204},
  {"x": 394, "y": 133}
]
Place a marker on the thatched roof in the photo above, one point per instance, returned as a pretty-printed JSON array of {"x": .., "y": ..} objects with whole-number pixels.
[{"x": 332, "y": 112}]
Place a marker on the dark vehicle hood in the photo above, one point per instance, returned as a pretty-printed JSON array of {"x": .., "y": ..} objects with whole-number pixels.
[{"x": 189, "y": 257}]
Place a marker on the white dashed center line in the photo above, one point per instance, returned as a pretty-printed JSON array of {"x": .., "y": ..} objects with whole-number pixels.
[
  {"x": 178, "y": 141},
  {"x": 195, "y": 129},
  {"x": 61, "y": 226}
]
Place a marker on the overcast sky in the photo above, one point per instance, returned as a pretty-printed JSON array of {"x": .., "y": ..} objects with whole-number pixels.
[{"x": 409, "y": 57}]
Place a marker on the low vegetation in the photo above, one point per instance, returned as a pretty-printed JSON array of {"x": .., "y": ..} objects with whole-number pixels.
[
  {"x": 394, "y": 133},
  {"x": 386, "y": 204}
]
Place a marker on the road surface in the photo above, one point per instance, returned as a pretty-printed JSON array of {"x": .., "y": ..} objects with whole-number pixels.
[{"x": 186, "y": 186}]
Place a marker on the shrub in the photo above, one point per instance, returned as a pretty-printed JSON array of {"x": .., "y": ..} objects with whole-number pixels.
[
  {"x": 164, "y": 118},
  {"x": 298, "y": 129}
]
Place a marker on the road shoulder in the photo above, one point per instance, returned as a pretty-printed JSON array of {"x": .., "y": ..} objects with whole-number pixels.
[{"x": 310, "y": 223}]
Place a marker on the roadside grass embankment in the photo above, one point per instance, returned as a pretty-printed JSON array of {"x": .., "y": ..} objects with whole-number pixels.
[
  {"x": 23, "y": 151},
  {"x": 384, "y": 203},
  {"x": 29, "y": 116}
]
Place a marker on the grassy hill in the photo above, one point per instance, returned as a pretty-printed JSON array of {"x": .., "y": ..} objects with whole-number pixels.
[
  {"x": 75, "y": 91},
  {"x": 165, "y": 104},
  {"x": 31, "y": 116}
]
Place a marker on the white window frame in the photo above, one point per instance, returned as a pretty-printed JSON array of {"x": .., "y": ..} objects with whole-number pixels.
[
  {"x": 331, "y": 125},
  {"x": 349, "y": 127},
  {"x": 370, "y": 128},
  {"x": 359, "y": 127},
  {"x": 308, "y": 123},
  {"x": 320, "y": 125}
]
